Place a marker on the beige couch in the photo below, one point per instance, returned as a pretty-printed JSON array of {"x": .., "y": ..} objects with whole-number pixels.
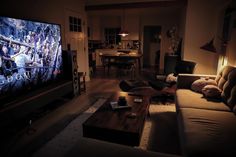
[
  {"x": 86, "y": 147},
  {"x": 206, "y": 127}
]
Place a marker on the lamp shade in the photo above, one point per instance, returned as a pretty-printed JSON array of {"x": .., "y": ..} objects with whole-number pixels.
[{"x": 209, "y": 46}]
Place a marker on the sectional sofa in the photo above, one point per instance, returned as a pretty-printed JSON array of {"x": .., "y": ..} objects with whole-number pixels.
[
  {"x": 207, "y": 127},
  {"x": 86, "y": 147}
]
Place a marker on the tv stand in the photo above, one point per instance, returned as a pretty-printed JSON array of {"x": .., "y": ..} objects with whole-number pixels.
[{"x": 28, "y": 103}]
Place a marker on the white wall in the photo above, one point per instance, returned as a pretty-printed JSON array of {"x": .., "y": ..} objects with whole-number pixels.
[
  {"x": 94, "y": 23},
  {"x": 108, "y": 22},
  {"x": 131, "y": 23},
  {"x": 114, "y": 18},
  {"x": 201, "y": 26},
  {"x": 166, "y": 18},
  {"x": 231, "y": 49},
  {"x": 136, "y": 19},
  {"x": 231, "y": 46}
]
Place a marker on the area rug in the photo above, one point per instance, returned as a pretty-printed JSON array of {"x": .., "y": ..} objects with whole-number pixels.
[
  {"x": 159, "y": 133},
  {"x": 66, "y": 139}
]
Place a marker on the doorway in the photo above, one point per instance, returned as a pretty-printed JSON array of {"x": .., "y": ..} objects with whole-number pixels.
[
  {"x": 75, "y": 31},
  {"x": 151, "y": 47}
]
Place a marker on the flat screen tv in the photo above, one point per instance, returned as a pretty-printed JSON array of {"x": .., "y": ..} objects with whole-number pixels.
[{"x": 30, "y": 55}]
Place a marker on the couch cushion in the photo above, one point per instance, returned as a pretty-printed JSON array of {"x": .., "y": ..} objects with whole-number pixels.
[
  {"x": 186, "y": 98},
  {"x": 212, "y": 91},
  {"x": 229, "y": 89},
  {"x": 207, "y": 132},
  {"x": 226, "y": 81},
  {"x": 233, "y": 98}
]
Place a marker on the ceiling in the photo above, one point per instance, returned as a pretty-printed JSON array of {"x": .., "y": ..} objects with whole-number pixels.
[
  {"x": 127, "y": 4},
  {"x": 102, "y": 2},
  {"x": 135, "y": 11}
]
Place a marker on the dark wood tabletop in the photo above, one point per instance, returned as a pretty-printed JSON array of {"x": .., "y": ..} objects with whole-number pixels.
[{"x": 122, "y": 125}]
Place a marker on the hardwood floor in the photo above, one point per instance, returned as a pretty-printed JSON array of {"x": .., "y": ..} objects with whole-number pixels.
[
  {"x": 48, "y": 124},
  {"x": 64, "y": 110}
]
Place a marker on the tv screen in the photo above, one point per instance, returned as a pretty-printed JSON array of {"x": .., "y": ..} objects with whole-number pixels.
[{"x": 30, "y": 55}]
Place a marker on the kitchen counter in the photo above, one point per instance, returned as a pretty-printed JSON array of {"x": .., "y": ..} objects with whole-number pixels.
[{"x": 111, "y": 51}]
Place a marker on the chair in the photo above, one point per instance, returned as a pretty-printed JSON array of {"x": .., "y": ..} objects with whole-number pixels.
[
  {"x": 125, "y": 65},
  {"x": 161, "y": 81},
  {"x": 105, "y": 63}
]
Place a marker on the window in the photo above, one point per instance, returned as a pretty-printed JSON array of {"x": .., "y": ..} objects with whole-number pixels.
[
  {"x": 75, "y": 24},
  {"x": 111, "y": 35}
]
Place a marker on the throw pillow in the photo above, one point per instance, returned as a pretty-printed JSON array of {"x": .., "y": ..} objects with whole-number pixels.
[
  {"x": 171, "y": 78},
  {"x": 231, "y": 101},
  {"x": 199, "y": 84},
  {"x": 212, "y": 91}
]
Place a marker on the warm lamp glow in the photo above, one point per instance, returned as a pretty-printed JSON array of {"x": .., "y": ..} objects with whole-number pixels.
[
  {"x": 125, "y": 94},
  {"x": 223, "y": 61},
  {"x": 123, "y": 33}
]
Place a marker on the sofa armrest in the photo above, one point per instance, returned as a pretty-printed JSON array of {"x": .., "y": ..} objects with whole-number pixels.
[
  {"x": 184, "y": 81},
  {"x": 86, "y": 147}
]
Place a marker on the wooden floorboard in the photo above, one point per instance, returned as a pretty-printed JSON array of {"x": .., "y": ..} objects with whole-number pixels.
[{"x": 51, "y": 123}]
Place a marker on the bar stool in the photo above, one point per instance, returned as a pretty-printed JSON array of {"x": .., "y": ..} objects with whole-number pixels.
[{"x": 82, "y": 84}]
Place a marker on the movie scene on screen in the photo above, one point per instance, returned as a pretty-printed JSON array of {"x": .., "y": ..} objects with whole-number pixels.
[{"x": 30, "y": 54}]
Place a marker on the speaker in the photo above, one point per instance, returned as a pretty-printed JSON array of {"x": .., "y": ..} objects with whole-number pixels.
[
  {"x": 170, "y": 63},
  {"x": 70, "y": 69}
]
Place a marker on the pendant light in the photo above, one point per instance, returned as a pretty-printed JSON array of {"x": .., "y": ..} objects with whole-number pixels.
[{"x": 123, "y": 32}]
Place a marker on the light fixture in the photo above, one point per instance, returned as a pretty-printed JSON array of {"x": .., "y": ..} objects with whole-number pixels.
[
  {"x": 209, "y": 46},
  {"x": 123, "y": 32}
]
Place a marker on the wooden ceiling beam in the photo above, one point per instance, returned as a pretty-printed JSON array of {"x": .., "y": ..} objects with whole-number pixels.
[{"x": 137, "y": 5}]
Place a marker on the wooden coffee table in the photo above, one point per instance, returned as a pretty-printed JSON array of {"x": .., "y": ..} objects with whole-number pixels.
[{"x": 118, "y": 126}]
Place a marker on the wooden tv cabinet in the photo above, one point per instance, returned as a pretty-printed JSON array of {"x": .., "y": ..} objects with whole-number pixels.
[{"x": 32, "y": 101}]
